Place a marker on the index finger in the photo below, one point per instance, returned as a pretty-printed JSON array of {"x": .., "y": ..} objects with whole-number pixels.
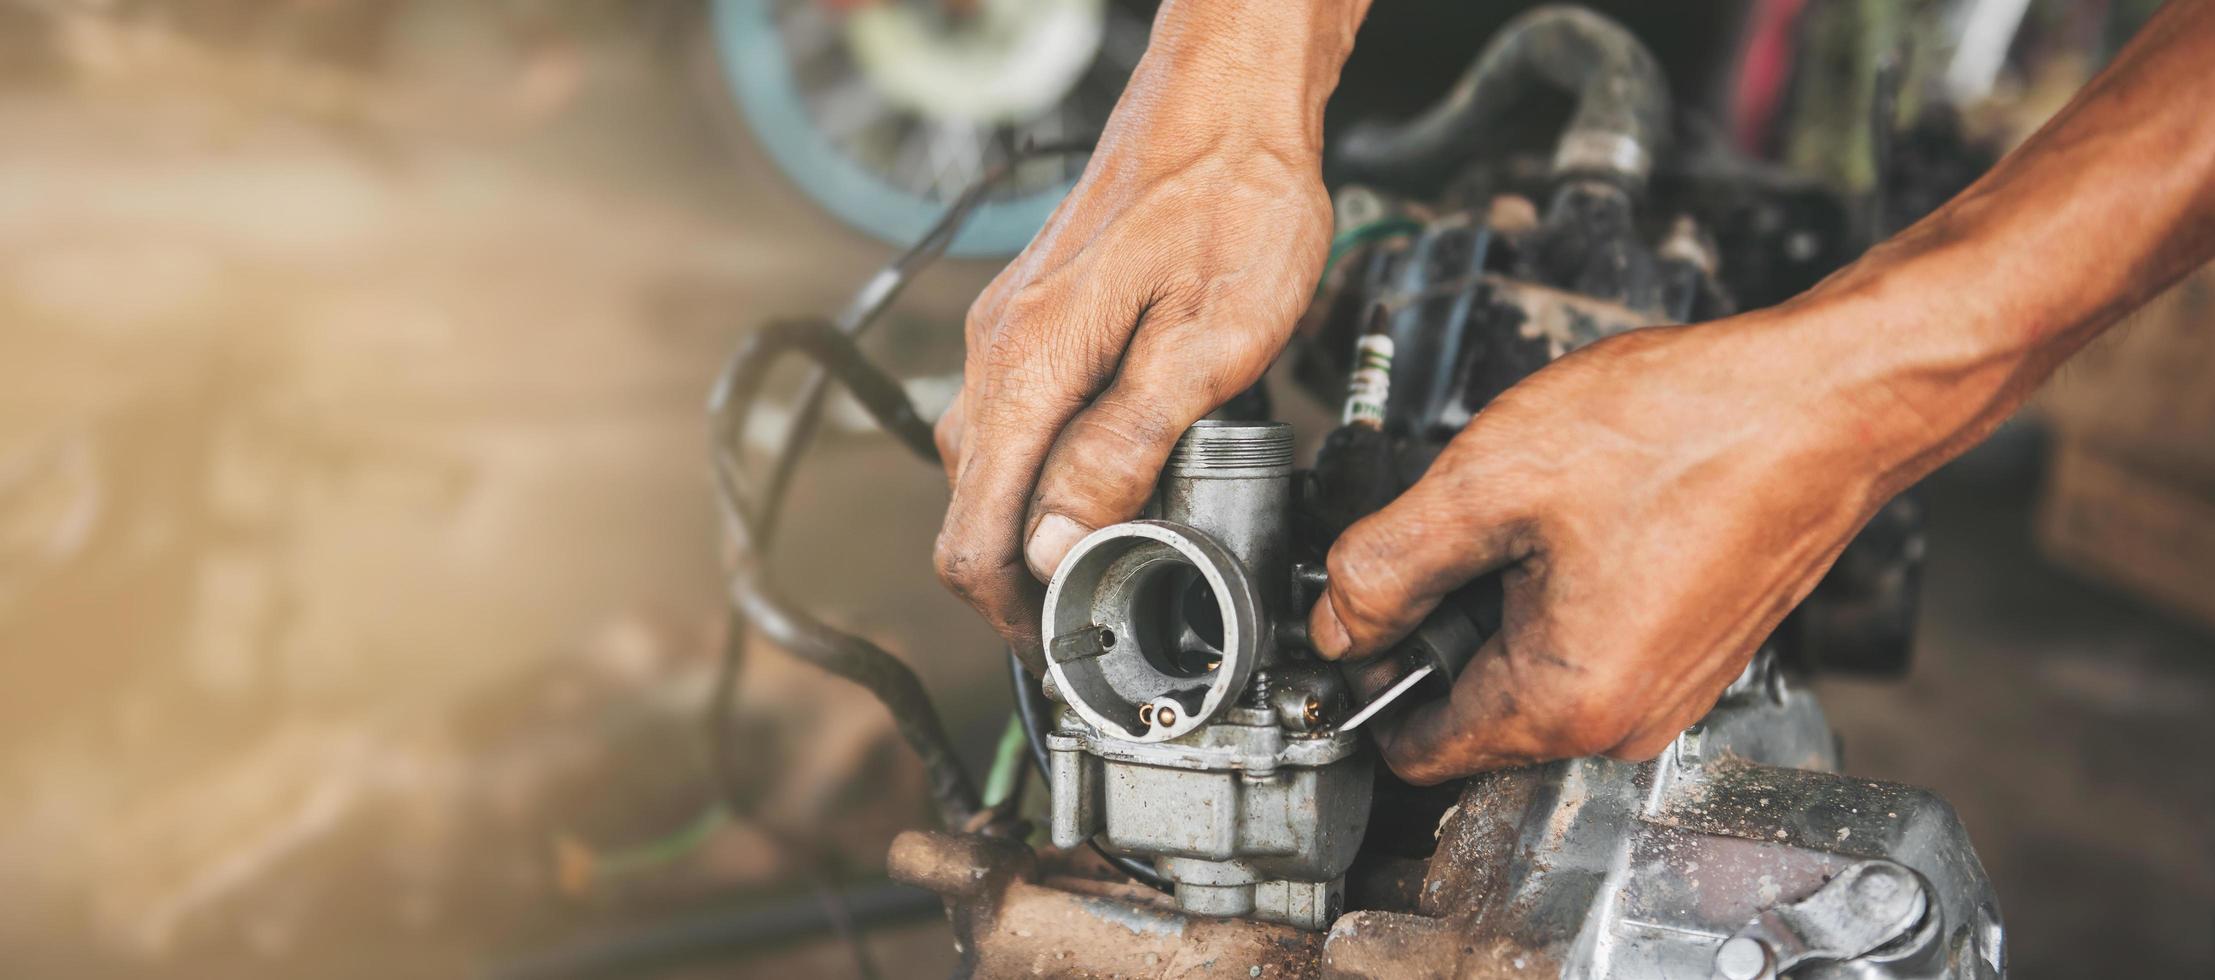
[
  {"x": 1020, "y": 389},
  {"x": 1515, "y": 704}
]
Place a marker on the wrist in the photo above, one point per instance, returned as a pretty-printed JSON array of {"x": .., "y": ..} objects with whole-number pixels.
[
  {"x": 1258, "y": 69},
  {"x": 1897, "y": 369}
]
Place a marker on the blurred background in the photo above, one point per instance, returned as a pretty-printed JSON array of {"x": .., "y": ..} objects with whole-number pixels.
[{"x": 360, "y": 592}]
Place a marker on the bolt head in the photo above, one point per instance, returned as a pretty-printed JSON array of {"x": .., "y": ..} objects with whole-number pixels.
[{"x": 1741, "y": 958}]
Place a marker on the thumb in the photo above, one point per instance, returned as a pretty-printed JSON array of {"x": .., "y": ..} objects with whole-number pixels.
[
  {"x": 1390, "y": 569},
  {"x": 1109, "y": 458}
]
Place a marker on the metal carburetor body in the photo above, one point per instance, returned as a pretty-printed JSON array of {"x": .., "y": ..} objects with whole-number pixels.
[{"x": 1192, "y": 734}]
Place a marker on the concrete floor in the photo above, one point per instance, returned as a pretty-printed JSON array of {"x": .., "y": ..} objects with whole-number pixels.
[{"x": 364, "y": 556}]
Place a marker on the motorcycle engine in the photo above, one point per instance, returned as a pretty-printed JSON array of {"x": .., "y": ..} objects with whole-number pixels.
[{"x": 1198, "y": 732}]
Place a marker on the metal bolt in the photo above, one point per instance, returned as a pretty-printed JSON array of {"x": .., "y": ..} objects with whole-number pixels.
[
  {"x": 1742, "y": 958},
  {"x": 1166, "y": 715},
  {"x": 1691, "y": 747},
  {"x": 1312, "y": 711}
]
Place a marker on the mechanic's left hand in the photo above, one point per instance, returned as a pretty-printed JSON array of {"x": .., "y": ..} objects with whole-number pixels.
[{"x": 1658, "y": 502}]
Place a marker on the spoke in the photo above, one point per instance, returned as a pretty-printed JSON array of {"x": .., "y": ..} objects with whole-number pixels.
[
  {"x": 846, "y": 108},
  {"x": 957, "y": 157}
]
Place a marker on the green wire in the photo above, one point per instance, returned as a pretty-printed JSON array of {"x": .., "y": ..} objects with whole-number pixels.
[
  {"x": 1359, "y": 235},
  {"x": 1006, "y": 762},
  {"x": 665, "y": 850}
]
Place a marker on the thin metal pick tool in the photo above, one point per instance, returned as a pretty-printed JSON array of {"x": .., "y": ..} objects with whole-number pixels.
[{"x": 1390, "y": 695}]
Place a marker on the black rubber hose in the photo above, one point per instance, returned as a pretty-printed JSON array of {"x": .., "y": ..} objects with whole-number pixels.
[
  {"x": 1032, "y": 711},
  {"x": 836, "y": 651},
  {"x": 882, "y": 674},
  {"x": 834, "y": 354},
  {"x": 752, "y": 532},
  {"x": 869, "y": 303},
  {"x": 1622, "y": 111}
]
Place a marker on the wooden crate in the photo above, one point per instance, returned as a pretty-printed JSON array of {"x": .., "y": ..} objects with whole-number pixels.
[
  {"x": 2150, "y": 535},
  {"x": 2130, "y": 489}
]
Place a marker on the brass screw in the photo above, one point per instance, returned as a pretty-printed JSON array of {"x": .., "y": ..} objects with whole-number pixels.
[
  {"x": 1167, "y": 716},
  {"x": 1312, "y": 711}
]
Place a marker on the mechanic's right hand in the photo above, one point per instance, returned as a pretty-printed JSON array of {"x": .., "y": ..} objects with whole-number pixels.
[{"x": 1164, "y": 285}]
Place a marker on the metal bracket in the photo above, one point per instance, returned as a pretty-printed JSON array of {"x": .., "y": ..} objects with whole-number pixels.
[{"x": 1867, "y": 906}]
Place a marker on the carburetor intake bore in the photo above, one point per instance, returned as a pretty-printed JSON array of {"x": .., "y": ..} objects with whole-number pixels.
[{"x": 1154, "y": 626}]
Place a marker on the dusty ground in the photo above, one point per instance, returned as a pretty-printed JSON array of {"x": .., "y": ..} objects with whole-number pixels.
[{"x": 358, "y": 562}]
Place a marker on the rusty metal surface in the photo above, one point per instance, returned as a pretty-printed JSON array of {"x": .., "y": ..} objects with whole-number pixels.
[
  {"x": 1582, "y": 868},
  {"x": 1013, "y": 916}
]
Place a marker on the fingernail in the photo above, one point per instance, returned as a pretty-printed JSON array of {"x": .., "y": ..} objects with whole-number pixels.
[
  {"x": 1326, "y": 632},
  {"x": 1050, "y": 542}
]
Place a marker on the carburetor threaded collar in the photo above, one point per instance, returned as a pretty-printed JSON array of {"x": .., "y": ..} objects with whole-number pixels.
[{"x": 1251, "y": 448}]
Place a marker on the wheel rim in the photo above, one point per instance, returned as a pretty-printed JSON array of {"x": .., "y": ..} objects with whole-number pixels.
[{"x": 884, "y": 164}]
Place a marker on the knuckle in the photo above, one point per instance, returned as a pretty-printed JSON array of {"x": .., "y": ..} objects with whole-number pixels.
[
  {"x": 1409, "y": 771},
  {"x": 986, "y": 312},
  {"x": 1365, "y": 573},
  {"x": 1639, "y": 748},
  {"x": 1032, "y": 304},
  {"x": 1591, "y": 723},
  {"x": 980, "y": 320},
  {"x": 946, "y": 433},
  {"x": 1126, "y": 427},
  {"x": 1420, "y": 770},
  {"x": 960, "y": 568},
  {"x": 1459, "y": 754}
]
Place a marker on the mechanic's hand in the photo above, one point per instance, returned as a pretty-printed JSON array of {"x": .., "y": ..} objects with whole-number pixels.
[
  {"x": 1163, "y": 286},
  {"x": 1657, "y": 501}
]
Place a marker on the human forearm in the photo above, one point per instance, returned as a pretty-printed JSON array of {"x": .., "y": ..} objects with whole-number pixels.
[
  {"x": 1657, "y": 502},
  {"x": 1959, "y": 317},
  {"x": 1257, "y": 66}
]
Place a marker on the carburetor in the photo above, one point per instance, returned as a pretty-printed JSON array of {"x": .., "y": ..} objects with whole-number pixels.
[{"x": 1197, "y": 728}]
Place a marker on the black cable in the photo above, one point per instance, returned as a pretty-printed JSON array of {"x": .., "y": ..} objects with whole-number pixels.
[
  {"x": 1028, "y": 711},
  {"x": 755, "y": 598},
  {"x": 881, "y": 673},
  {"x": 833, "y": 905},
  {"x": 852, "y": 657},
  {"x": 835, "y": 356},
  {"x": 752, "y": 531},
  {"x": 875, "y": 297},
  {"x": 1032, "y": 710}
]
